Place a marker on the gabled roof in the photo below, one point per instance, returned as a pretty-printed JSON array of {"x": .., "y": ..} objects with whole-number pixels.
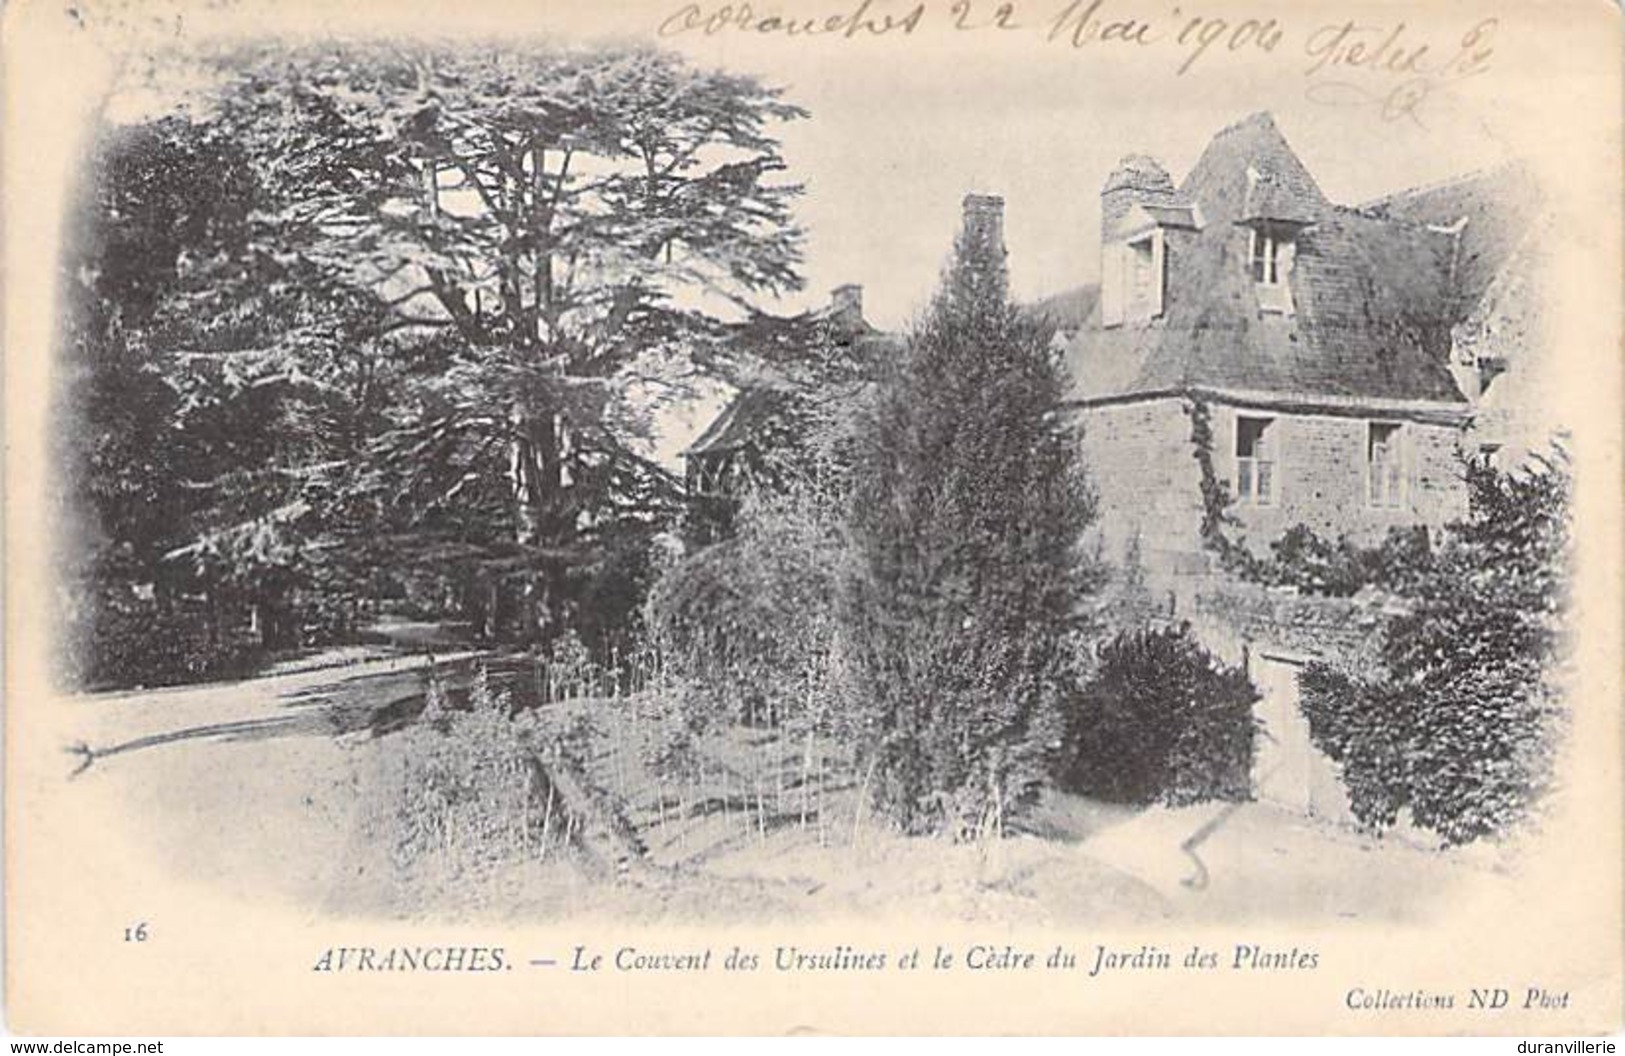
[
  {"x": 1220, "y": 179},
  {"x": 1375, "y": 293},
  {"x": 1487, "y": 213},
  {"x": 749, "y": 412},
  {"x": 1269, "y": 200}
]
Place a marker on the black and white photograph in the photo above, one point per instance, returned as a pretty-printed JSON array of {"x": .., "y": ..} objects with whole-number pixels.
[{"x": 1014, "y": 509}]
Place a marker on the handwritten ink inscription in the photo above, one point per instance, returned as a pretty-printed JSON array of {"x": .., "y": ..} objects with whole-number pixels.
[
  {"x": 1392, "y": 66},
  {"x": 859, "y": 21},
  {"x": 1389, "y": 53}
]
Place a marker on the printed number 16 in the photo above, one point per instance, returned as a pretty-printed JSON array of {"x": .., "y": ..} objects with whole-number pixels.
[{"x": 136, "y": 933}]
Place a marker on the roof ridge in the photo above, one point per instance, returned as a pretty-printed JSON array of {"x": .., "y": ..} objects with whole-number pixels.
[
  {"x": 1257, "y": 117},
  {"x": 1254, "y": 143},
  {"x": 1457, "y": 180},
  {"x": 1064, "y": 291},
  {"x": 1405, "y": 223}
]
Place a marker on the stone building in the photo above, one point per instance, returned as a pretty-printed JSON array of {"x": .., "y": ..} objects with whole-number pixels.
[
  {"x": 1498, "y": 353},
  {"x": 1307, "y": 356},
  {"x": 1326, "y": 365},
  {"x": 1259, "y": 351}
]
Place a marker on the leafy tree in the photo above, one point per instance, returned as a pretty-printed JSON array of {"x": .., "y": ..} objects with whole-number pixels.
[
  {"x": 966, "y": 512},
  {"x": 1458, "y": 723},
  {"x": 750, "y": 623},
  {"x": 369, "y": 313},
  {"x": 162, "y": 204},
  {"x": 546, "y": 239}
]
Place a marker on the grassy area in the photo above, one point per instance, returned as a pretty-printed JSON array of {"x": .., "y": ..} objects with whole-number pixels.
[
  {"x": 738, "y": 822},
  {"x": 346, "y": 790}
]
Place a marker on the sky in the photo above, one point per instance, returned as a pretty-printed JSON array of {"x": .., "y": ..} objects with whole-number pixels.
[
  {"x": 900, "y": 132},
  {"x": 902, "y": 126}
]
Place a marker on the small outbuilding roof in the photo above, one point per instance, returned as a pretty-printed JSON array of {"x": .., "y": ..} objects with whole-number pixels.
[{"x": 758, "y": 410}]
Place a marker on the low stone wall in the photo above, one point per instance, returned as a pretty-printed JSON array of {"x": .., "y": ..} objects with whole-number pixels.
[{"x": 1231, "y": 616}]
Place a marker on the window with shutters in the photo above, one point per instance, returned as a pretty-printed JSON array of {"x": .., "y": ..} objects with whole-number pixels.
[
  {"x": 1132, "y": 277},
  {"x": 1256, "y": 477},
  {"x": 1385, "y": 464},
  {"x": 1145, "y": 286}
]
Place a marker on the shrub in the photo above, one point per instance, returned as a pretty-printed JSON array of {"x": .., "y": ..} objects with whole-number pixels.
[
  {"x": 138, "y": 643},
  {"x": 1303, "y": 559},
  {"x": 1161, "y": 721},
  {"x": 747, "y": 625},
  {"x": 1457, "y": 723},
  {"x": 469, "y": 797}
]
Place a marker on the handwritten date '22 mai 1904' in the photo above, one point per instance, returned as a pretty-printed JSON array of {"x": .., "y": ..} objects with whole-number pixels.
[{"x": 1390, "y": 65}]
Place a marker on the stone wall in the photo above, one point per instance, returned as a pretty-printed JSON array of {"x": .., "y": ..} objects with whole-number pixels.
[
  {"x": 1321, "y": 477},
  {"x": 1142, "y": 462},
  {"x": 1233, "y": 618}
]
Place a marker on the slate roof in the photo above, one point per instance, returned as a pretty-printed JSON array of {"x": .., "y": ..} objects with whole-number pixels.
[
  {"x": 1270, "y": 200},
  {"x": 1068, "y": 310},
  {"x": 1490, "y": 212},
  {"x": 1375, "y": 291}
]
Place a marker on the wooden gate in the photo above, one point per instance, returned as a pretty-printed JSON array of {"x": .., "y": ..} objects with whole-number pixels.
[{"x": 1288, "y": 770}]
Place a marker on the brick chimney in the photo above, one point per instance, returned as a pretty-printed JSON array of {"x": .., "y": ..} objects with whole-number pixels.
[
  {"x": 846, "y": 303},
  {"x": 1138, "y": 179},
  {"x": 984, "y": 227}
]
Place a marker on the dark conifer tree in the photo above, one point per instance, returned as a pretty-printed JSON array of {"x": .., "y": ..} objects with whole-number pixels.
[{"x": 967, "y": 581}]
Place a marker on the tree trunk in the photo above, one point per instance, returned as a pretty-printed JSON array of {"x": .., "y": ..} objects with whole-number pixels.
[
  {"x": 542, "y": 522},
  {"x": 537, "y": 478},
  {"x": 493, "y": 598}
]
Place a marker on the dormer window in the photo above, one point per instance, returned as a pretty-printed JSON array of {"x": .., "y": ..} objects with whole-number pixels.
[
  {"x": 1132, "y": 278},
  {"x": 1266, "y": 259},
  {"x": 1270, "y": 254}
]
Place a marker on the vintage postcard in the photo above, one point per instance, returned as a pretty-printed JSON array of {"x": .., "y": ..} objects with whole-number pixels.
[{"x": 813, "y": 516}]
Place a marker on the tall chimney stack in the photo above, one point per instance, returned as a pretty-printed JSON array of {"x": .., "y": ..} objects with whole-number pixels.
[
  {"x": 846, "y": 302},
  {"x": 984, "y": 227},
  {"x": 1138, "y": 180}
]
